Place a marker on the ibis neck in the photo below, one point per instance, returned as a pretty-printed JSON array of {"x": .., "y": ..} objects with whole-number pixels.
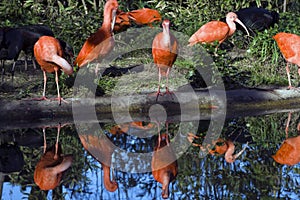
[
  {"x": 108, "y": 183},
  {"x": 107, "y": 18},
  {"x": 229, "y": 153},
  {"x": 232, "y": 27},
  {"x": 165, "y": 185},
  {"x": 166, "y": 37}
]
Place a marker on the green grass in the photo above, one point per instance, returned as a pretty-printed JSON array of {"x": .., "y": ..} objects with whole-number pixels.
[{"x": 260, "y": 64}]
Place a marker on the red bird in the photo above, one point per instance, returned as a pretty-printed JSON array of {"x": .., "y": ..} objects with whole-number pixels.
[
  {"x": 49, "y": 54},
  {"x": 49, "y": 169},
  {"x": 122, "y": 21},
  {"x": 144, "y": 16},
  {"x": 216, "y": 30},
  {"x": 289, "y": 151},
  {"x": 221, "y": 147},
  {"x": 98, "y": 146},
  {"x": 99, "y": 44},
  {"x": 289, "y": 45},
  {"x": 164, "y": 164},
  {"x": 164, "y": 51}
]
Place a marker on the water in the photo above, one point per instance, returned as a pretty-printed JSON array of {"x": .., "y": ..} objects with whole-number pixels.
[{"x": 253, "y": 175}]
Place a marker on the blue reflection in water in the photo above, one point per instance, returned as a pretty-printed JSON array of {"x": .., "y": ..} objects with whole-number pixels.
[{"x": 209, "y": 177}]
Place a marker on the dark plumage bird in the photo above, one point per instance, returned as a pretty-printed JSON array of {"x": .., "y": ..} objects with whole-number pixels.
[
  {"x": 257, "y": 19},
  {"x": 31, "y": 35},
  {"x": 15, "y": 40}
]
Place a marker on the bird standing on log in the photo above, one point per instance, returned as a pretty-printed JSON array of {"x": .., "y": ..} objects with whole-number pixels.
[
  {"x": 99, "y": 44},
  {"x": 49, "y": 55},
  {"x": 289, "y": 45},
  {"x": 216, "y": 31},
  {"x": 164, "y": 51}
]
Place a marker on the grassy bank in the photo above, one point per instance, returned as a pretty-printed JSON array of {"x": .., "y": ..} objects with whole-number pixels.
[{"x": 242, "y": 61}]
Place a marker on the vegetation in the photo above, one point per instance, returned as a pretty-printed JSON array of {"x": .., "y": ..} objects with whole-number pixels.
[
  {"x": 259, "y": 64},
  {"x": 255, "y": 174}
]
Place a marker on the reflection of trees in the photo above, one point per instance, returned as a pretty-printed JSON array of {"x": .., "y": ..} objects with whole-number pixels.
[
  {"x": 255, "y": 175},
  {"x": 74, "y": 179}
]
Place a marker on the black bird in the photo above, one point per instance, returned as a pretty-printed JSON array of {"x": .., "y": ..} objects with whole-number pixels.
[
  {"x": 257, "y": 19},
  {"x": 15, "y": 40},
  {"x": 31, "y": 34}
]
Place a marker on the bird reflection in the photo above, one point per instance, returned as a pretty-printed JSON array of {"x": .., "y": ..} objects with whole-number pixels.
[
  {"x": 99, "y": 147},
  {"x": 129, "y": 127},
  {"x": 220, "y": 147},
  {"x": 164, "y": 163},
  {"x": 289, "y": 151},
  {"x": 48, "y": 171}
]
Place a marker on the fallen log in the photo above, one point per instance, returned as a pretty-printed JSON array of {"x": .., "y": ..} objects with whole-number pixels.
[{"x": 182, "y": 106}]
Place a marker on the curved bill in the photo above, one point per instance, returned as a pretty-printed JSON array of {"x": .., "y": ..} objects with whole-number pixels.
[
  {"x": 114, "y": 15},
  {"x": 239, "y": 153},
  {"x": 241, "y": 23}
]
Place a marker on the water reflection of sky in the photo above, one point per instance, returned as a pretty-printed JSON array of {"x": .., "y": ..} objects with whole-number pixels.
[{"x": 208, "y": 177}]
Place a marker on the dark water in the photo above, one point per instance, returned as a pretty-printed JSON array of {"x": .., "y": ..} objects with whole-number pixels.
[{"x": 253, "y": 175}]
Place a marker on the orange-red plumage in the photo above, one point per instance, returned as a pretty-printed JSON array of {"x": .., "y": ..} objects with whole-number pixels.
[
  {"x": 122, "y": 21},
  {"x": 98, "y": 146},
  {"x": 164, "y": 52},
  {"x": 289, "y": 151},
  {"x": 164, "y": 164},
  {"x": 216, "y": 30},
  {"x": 49, "y": 169},
  {"x": 99, "y": 44},
  {"x": 145, "y": 16},
  {"x": 220, "y": 146},
  {"x": 289, "y": 45},
  {"x": 49, "y": 54}
]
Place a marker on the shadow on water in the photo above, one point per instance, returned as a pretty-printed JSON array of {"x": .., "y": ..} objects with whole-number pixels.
[{"x": 138, "y": 160}]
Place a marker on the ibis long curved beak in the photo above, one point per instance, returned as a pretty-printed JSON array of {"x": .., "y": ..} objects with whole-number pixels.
[
  {"x": 113, "y": 21},
  {"x": 239, "y": 153},
  {"x": 241, "y": 23}
]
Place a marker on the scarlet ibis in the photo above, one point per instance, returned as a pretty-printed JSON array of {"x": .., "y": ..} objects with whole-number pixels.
[
  {"x": 216, "y": 31},
  {"x": 164, "y": 52},
  {"x": 221, "y": 146},
  {"x": 145, "y": 16},
  {"x": 122, "y": 21},
  {"x": 98, "y": 147},
  {"x": 289, "y": 151},
  {"x": 164, "y": 164},
  {"x": 257, "y": 19},
  {"x": 289, "y": 45},
  {"x": 99, "y": 44},
  {"x": 48, "y": 171},
  {"x": 49, "y": 54}
]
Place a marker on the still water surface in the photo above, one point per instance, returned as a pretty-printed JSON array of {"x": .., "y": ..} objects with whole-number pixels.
[{"x": 254, "y": 174}]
